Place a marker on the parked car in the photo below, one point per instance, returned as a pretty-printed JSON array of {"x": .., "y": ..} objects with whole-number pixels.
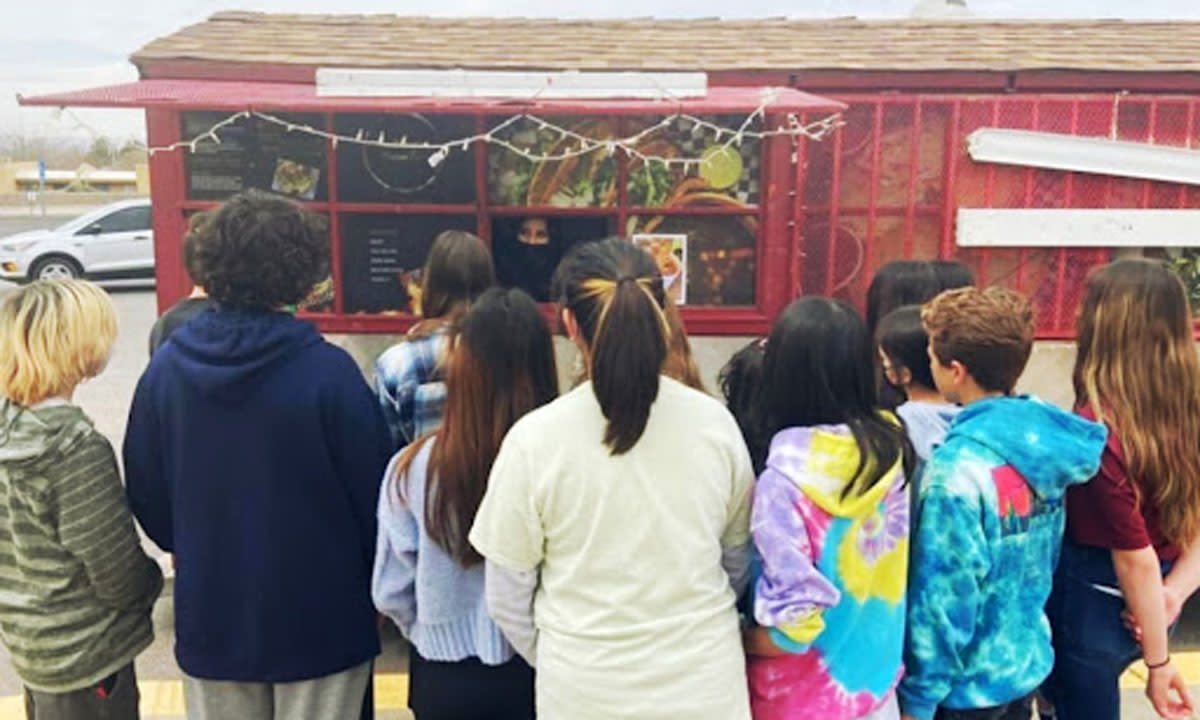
[{"x": 114, "y": 242}]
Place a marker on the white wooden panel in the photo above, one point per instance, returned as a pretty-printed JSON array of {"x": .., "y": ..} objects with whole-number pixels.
[
  {"x": 1101, "y": 156},
  {"x": 979, "y": 227}
]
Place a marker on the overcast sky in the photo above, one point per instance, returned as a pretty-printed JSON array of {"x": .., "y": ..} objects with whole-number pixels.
[{"x": 69, "y": 44}]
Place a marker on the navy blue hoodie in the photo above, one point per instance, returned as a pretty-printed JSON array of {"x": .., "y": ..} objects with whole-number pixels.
[{"x": 254, "y": 452}]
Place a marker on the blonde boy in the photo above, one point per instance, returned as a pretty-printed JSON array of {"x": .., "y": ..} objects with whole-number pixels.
[{"x": 78, "y": 589}]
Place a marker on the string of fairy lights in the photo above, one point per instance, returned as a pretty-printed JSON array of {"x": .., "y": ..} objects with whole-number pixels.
[{"x": 579, "y": 144}]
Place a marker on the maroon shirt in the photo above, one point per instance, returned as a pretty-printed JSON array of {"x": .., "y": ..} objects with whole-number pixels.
[{"x": 1104, "y": 512}]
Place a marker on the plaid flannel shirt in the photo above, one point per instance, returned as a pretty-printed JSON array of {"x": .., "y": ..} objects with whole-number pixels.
[{"x": 408, "y": 381}]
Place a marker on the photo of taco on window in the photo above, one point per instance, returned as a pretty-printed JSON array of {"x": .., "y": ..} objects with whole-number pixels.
[{"x": 586, "y": 180}]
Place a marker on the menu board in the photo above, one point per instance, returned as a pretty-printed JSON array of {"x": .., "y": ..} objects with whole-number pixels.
[
  {"x": 383, "y": 257},
  {"x": 254, "y": 153}
]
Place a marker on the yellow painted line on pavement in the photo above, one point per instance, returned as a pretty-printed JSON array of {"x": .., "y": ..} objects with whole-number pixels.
[
  {"x": 1187, "y": 662},
  {"x": 164, "y": 698}
]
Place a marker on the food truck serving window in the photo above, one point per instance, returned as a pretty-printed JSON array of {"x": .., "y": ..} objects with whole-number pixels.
[{"x": 385, "y": 206}]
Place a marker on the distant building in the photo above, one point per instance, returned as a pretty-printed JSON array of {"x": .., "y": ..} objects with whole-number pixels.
[{"x": 19, "y": 177}]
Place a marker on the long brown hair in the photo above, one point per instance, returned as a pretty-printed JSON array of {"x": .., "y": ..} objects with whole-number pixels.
[
  {"x": 458, "y": 270},
  {"x": 680, "y": 363},
  {"x": 501, "y": 367},
  {"x": 1138, "y": 371},
  {"x": 615, "y": 292}
]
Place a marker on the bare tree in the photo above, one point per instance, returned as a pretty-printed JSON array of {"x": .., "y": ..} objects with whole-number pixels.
[{"x": 58, "y": 152}]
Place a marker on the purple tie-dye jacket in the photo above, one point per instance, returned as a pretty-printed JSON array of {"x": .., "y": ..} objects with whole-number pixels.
[{"x": 832, "y": 590}]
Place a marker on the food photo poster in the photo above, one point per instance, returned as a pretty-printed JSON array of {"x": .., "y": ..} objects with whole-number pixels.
[{"x": 670, "y": 252}]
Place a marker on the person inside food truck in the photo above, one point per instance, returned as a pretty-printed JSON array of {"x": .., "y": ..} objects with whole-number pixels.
[{"x": 528, "y": 260}]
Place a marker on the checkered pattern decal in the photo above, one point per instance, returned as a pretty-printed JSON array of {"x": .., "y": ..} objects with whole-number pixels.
[{"x": 692, "y": 140}]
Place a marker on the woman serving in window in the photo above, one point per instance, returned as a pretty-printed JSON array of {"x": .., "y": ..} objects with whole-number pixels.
[{"x": 528, "y": 262}]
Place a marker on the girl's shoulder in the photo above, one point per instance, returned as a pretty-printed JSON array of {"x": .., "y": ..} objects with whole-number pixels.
[
  {"x": 408, "y": 484},
  {"x": 700, "y": 407},
  {"x": 415, "y": 354},
  {"x": 563, "y": 417}
]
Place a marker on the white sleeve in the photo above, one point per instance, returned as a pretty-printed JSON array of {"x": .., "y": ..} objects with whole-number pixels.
[{"x": 510, "y": 603}]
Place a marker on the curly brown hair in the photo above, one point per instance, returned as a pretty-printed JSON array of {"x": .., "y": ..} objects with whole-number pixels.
[
  {"x": 989, "y": 331},
  {"x": 196, "y": 228},
  {"x": 260, "y": 252}
]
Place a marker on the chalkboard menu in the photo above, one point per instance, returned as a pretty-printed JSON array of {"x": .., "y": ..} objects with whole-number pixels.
[
  {"x": 254, "y": 153},
  {"x": 375, "y": 174},
  {"x": 382, "y": 258}
]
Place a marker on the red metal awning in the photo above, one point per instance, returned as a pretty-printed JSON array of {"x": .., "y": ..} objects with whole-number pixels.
[{"x": 236, "y": 95}]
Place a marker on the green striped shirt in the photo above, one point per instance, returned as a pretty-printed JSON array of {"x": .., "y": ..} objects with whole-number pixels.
[{"x": 76, "y": 589}]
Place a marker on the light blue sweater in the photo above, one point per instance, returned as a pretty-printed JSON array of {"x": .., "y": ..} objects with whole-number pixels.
[
  {"x": 438, "y": 604},
  {"x": 927, "y": 424}
]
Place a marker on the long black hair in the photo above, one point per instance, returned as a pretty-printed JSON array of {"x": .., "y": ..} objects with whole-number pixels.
[
  {"x": 741, "y": 383},
  {"x": 818, "y": 370},
  {"x": 900, "y": 282},
  {"x": 951, "y": 274},
  {"x": 615, "y": 292},
  {"x": 902, "y": 337}
]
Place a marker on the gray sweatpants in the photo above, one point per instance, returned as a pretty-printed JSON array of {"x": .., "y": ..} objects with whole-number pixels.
[
  {"x": 331, "y": 697},
  {"x": 114, "y": 698}
]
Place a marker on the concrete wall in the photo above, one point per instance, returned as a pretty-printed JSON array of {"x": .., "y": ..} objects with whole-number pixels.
[{"x": 1048, "y": 374}]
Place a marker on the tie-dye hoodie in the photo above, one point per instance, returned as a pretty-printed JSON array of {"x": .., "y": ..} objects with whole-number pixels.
[
  {"x": 832, "y": 588},
  {"x": 985, "y": 543}
]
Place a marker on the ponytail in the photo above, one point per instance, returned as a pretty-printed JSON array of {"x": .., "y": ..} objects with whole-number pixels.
[{"x": 614, "y": 290}]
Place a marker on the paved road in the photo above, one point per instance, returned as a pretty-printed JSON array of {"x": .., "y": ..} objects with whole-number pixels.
[{"x": 15, "y": 223}]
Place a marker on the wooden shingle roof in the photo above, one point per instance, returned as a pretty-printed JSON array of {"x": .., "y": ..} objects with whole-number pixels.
[{"x": 707, "y": 44}]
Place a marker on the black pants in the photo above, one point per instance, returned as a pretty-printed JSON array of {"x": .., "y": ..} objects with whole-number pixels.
[
  {"x": 113, "y": 698},
  {"x": 368, "y": 709},
  {"x": 469, "y": 690},
  {"x": 1015, "y": 710}
]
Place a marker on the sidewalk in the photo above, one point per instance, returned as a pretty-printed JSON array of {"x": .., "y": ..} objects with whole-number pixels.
[
  {"x": 162, "y": 690},
  {"x": 159, "y": 678}
]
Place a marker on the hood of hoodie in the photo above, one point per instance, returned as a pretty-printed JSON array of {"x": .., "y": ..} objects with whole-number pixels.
[
  {"x": 1051, "y": 448},
  {"x": 27, "y": 435},
  {"x": 821, "y": 462},
  {"x": 225, "y": 353}
]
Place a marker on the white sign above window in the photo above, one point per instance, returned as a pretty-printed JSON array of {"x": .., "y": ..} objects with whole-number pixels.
[
  {"x": 981, "y": 227},
  {"x": 359, "y": 82}
]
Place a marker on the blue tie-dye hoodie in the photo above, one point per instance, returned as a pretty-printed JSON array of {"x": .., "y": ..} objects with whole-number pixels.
[{"x": 984, "y": 546}]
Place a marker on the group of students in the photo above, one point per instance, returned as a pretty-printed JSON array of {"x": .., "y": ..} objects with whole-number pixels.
[{"x": 871, "y": 526}]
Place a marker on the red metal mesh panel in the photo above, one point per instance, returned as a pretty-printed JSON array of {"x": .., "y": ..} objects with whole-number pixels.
[{"x": 888, "y": 185}]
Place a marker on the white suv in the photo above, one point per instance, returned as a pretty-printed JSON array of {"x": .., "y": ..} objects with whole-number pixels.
[{"x": 114, "y": 242}]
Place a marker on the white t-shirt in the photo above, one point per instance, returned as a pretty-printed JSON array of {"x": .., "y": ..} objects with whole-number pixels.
[{"x": 635, "y": 615}]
